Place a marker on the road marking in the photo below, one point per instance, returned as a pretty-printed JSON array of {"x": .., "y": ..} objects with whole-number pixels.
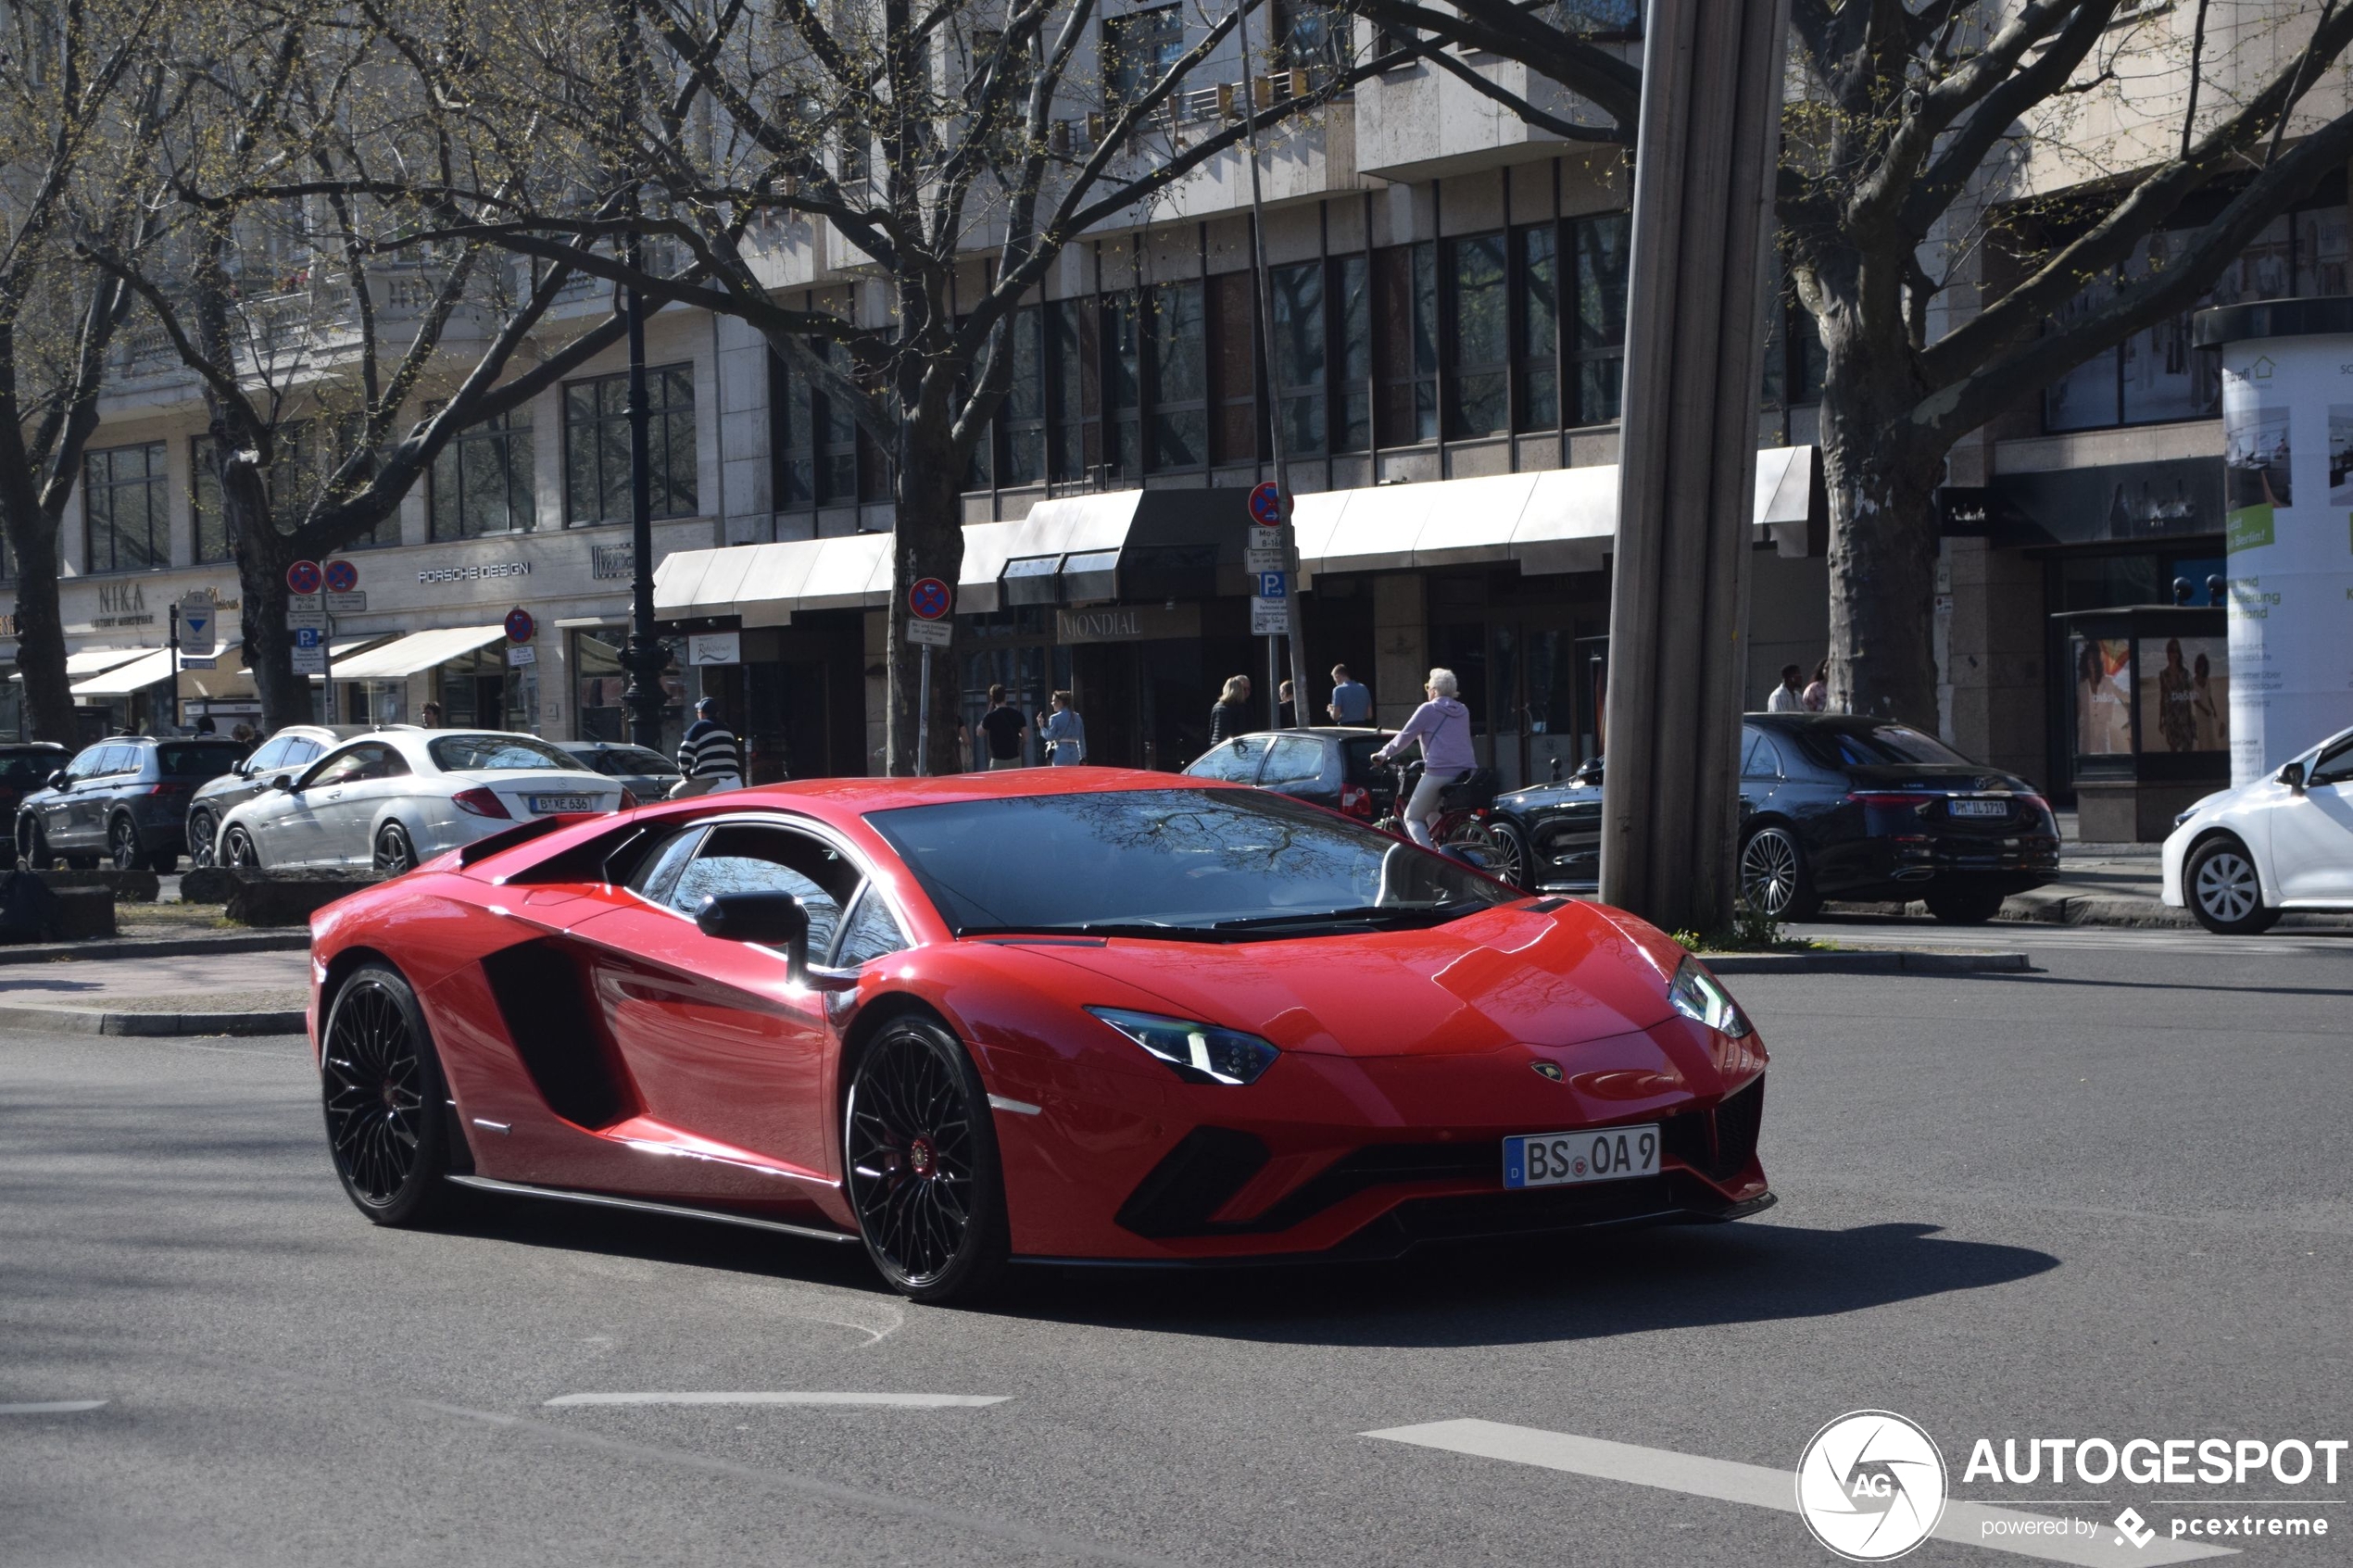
[
  {"x": 1761, "y": 1485},
  {"x": 52, "y": 1407},
  {"x": 901, "y": 1401}
]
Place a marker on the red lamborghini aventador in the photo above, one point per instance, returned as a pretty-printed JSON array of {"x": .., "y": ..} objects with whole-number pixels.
[{"x": 1073, "y": 1014}]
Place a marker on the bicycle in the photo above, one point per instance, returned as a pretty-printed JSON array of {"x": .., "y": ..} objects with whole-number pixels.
[{"x": 1461, "y": 829}]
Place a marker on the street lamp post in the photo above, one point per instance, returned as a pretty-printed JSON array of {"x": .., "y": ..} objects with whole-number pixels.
[{"x": 643, "y": 657}]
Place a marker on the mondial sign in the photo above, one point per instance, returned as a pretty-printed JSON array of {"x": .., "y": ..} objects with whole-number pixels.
[{"x": 2287, "y": 502}]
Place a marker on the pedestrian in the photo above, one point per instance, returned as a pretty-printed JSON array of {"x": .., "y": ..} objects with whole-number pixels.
[
  {"x": 707, "y": 756},
  {"x": 433, "y": 715},
  {"x": 1350, "y": 704},
  {"x": 1005, "y": 730},
  {"x": 205, "y": 726},
  {"x": 1286, "y": 709},
  {"x": 1442, "y": 726},
  {"x": 242, "y": 734},
  {"x": 1229, "y": 716},
  {"x": 1065, "y": 734},
  {"x": 1818, "y": 695},
  {"x": 1787, "y": 698}
]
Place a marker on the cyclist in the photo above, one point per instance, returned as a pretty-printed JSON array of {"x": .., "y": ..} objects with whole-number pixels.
[{"x": 1442, "y": 725}]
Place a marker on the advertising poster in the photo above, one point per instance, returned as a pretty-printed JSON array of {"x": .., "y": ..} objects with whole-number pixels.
[
  {"x": 2103, "y": 713},
  {"x": 2186, "y": 701}
]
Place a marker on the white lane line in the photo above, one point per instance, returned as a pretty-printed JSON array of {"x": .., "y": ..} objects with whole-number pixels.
[
  {"x": 901, "y": 1401},
  {"x": 1761, "y": 1485},
  {"x": 52, "y": 1407}
]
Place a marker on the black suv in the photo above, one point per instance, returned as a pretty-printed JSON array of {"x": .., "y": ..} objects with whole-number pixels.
[{"x": 123, "y": 799}]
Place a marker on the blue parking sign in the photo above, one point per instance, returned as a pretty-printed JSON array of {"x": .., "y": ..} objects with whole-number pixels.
[
  {"x": 1271, "y": 585},
  {"x": 308, "y": 637}
]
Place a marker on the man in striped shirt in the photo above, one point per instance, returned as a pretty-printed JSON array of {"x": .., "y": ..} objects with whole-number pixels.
[{"x": 710, "y": 751}]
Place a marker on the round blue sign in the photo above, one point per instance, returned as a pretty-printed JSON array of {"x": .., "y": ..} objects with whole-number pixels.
[{"x": 929, "y": 598}]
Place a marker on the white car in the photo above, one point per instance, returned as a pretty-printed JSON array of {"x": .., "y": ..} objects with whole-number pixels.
[
  {"x": 2242, "y": 858},
  {"x": 396, "y": 798}
]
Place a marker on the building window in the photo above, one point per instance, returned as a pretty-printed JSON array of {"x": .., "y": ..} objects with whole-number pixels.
[
  {"x": 1353, "y": 352},
  {"x": 124, "y": 494},
  {"x": 596, "y": 445},
  {"x": 793, "y": 434},
  {"x": 482, "y": 483},
  {"x": 1074, "y": 391},
  {"x": 1478, "y": 387},
  {"x": 1299, "y": 367},
  {"x": 1021, "y": 418},
  {"x": 1538, "y": 340},
  {"x": 1311, "y": 37},
  {"x": 1123, "y": 359},
  {"x": 1138, "y": 49},
  {"x": 1234, "y": 373},
  {"x": 1405, "y": 305},
  {"x": 1598, "y": 361},
  {"x": 297, "y": 484},
  {"x": 1176, "y": 375},
  {"x": 1598, "y": 21}
]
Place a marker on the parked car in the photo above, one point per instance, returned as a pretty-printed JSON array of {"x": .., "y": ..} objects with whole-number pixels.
[
  {"x": 1330, "y": 765},
  {"x": 395, "y": 798},
  {"x": 125, "y": 798},
  {"x": 1835, "y": 806},
  {"x": 1550, "y": 833},
  {"x": 26, "y": 768},
  {"x": 2242, "y": 858},
  {"x": 292, "y": 748},
  {"x": 647, "y": 774}
]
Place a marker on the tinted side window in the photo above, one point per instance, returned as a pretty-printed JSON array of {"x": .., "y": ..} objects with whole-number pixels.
[
  {"x": 346, "y": 766},
  {"x": 89, "y": 762},
  {"x": 759, "y": 859},
  {"x": 657, "y": 873},
  {"x": 119, "y": 760},
  {"x": 871, "y": 932},
  {"x": 1764, "y": 760},
  {"x": 2334, "y": 765},
  {"x": 202, "y": 760},
  {"x": 1359, "y": 752},
  {"x": 1293, "y": 759},
  {"x": 276, "y": 753},
  {"x": 299, "y": 750}
]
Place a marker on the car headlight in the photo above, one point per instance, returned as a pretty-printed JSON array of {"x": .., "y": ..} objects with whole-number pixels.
[
  {"x": 1700, "y": 997},
  {"x": 1199, "y": 1053}
]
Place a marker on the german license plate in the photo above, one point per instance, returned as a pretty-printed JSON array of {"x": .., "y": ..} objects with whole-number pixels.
[
  {"x": 554, "y": 804},
  {"x": 1603, "y": 1154},
  {"x": 1979, "y": 808}
]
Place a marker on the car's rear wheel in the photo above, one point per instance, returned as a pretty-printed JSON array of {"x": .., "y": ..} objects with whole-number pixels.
[
  {"x": 380, "y": 1081},
  {"x": 1511, "y": 862},
  {"x": 1773, "y": 879},
  {"x": 395, "y": 853},
  {"x": 204, "y": 831},
  {"x": 922, "y": 1156},
  {"x": 33, "y": 845},
  {"x": 2226, "y": 892},
  {"x": 237, "y": 849},
  {"x": 122, "y": 844},
  {"x": 1964, "y": 906}
]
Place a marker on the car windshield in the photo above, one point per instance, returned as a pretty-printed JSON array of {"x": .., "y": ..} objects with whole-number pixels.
[
  {"x": 467, "y": 754},
  {"x": 199, "y": 759},
  {"x": 1876, "y": 746},
  {"x": 621, "y": 759},
  {"x": 1215, "y": 864}
]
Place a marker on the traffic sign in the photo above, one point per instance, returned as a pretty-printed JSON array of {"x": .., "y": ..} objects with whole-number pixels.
[
  {"x": 310, "y": 662},
  {"x": 1273, "y": 585},
  {"x": 201, "y": 661},
  {"x": 1256, "y": 560},
  {"x": 308, "y": 604},
  {"x": 1269, "y": 618},
  {"x": 522, "y": 653},
  {"x": 197, "y": 619},
  {"x": 930, "y": 598},
  {"x": 345, "y": 603},
  {"x": 342, "y": 577},
  {"x": 930, "y": 634},
  {"x": 520, "y": 625},
  {"x": 1266, "y": 503},
  {"x": 309, "y": 637},
  {"x": 304, "y": 577},
  {"x": 306, "y": 619}
]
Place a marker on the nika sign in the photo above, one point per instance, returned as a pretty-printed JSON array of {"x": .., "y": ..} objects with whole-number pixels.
[
  {"x": 1127, "y": 623},
  {"x": 123, "y": 604}
]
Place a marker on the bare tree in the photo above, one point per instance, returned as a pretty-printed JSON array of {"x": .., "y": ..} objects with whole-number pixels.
[
  {"x": 81, "y": 109},
  {"x": 1908, "y": 123}
]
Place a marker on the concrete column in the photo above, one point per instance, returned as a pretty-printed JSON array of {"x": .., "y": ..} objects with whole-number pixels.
[
  {"x": 1993, "y": 691},
  {"x": 1712, "y": 91},
  {"x": 1401, "y": 645}
]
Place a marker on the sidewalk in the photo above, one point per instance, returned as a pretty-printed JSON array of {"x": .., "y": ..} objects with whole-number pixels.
[{"x": 247, "y": 993}]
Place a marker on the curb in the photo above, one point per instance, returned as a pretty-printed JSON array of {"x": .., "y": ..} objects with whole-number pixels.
[
  {"x": 292, "y": 939},
  {"x": 89, "y": 1020},
  {"x": 1867, "y": 961}
]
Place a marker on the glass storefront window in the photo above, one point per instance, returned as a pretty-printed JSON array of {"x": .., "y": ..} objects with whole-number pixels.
[{"x": 598, "y": 682}]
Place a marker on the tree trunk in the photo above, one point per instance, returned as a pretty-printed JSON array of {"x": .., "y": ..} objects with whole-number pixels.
[
  {"x": 263, "y": 554},
  {"x": 1882, "y": 555},
  {"x": 40, "y": 634},
  {"x": 929, "y": 543}
]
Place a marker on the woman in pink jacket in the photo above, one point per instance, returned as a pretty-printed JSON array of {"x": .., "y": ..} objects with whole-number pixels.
[{"x": 1442, "y": 725}]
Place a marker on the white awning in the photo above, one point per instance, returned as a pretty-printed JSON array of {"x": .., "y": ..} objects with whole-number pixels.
[
  {"x": 85, "y": 662},
  {"x": 765, "y": 583},
  {"x": 1072, "y": 541},
  {"x": 418, "y": 650},
  {"x": 123, "y": 679}
]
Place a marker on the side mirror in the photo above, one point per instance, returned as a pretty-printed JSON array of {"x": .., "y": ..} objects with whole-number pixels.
[
  {"x": 57, "y": 779},
  {"x": 2293, "y": 776},
  {"x": 767, "y": 917},
  {"x": 283, "y": 781}
]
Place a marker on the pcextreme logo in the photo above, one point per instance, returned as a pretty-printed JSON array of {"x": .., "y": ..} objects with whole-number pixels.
[{"x": 1871, "y": 1485}]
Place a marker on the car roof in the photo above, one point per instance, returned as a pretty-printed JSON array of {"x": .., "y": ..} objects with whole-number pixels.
[
  {"x": 1849, "y": 722},
  {"x": 8, "y": 747},
  {"x": 1334, "y": 732}
]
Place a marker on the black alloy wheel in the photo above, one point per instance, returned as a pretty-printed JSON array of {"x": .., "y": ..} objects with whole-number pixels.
[
  {"x": 395, "y": 853},
  {"x": 122, "y": 844},
  {"x": 922, "y": 1156},
  {"x": 1508, "y": 852},
  {"x": 204, "y": 830},
  {"x": 2225, "y": 892},
  {"x": 237, "y": 849},
  {"x": 386, "y": 1107},
  {"x": 1773, "y": 879},
  {"x": 32, "y": 843},
  {"x": 1964, "y": 906}
]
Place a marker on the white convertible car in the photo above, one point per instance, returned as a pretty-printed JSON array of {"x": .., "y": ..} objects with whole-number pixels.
[
  {"x": 398, "y": 797},
  {"x": 2242, "y": 858}
]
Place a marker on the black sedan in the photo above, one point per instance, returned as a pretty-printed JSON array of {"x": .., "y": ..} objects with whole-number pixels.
[
  {"x": 1863, "y": 810},
  {"x": 1330, "y": 765}
]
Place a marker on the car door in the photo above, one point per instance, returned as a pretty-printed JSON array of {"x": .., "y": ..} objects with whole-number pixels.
[
  {"x": 2312, "y": 833},
  {"x": 372, "y": 774},
  {"x": 54, "y": 810},
  {"x": 85, "y": 817},
  {"x": 720, "y": 1045},
  {"x": 293, "y": 828}
]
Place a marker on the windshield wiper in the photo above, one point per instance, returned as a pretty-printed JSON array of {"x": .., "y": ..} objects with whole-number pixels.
[
  {"x": 1096, "y": 928},
  {"x": 1369, "y": 914}
]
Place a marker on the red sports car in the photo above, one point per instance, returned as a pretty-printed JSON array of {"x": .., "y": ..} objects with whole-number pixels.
[{"x": 1075, "y": 1013}]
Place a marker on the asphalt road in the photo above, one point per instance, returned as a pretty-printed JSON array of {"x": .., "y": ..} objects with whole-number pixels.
[{"x": 2110, "y": 1198}]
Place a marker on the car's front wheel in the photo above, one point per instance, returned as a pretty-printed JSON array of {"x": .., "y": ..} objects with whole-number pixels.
[
  {"x": 204, "y": 830},
  {"x": 385, "y": 1099},
  {"x": 122, "y": 844},
  {"x": 237, "y": 849},
  {"x": 395, "y": 852},
  {"x": 1511, "y": 862},
  {"x": 1773, "y": 879},
  {"x": 2226, "y": 892},
  {"x": 922, "y": 1172}
]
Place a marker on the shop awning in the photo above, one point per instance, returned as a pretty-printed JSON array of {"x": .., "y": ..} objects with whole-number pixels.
[
  {"x": 122, "y": 680},
  {"x": 418, "y": 650},
  {"x": 765, "y": 583},
  {"x": 85, "y": 662}
]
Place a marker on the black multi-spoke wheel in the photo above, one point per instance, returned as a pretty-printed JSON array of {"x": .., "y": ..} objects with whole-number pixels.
[
  {"x": 922, "y": 1154},
  {"x": 204, "y": 833},
  {"x": 122, "y": 844},
  {"x": 387, "y": 1125},
  {"x": 1511, "y": 862}
]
